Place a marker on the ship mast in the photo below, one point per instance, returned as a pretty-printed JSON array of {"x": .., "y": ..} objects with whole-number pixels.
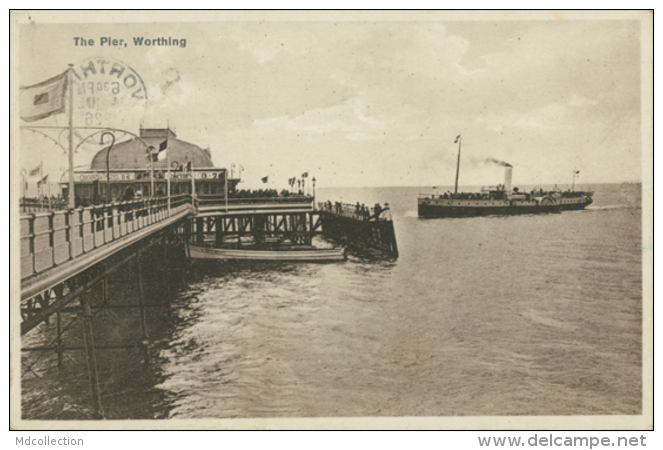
[{"x": 458, "y": 139}]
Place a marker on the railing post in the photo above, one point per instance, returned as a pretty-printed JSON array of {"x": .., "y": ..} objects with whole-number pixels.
[
  {"x": 93, "y": 224},
  {"x": 51, "y": 232},
  {"x": 104, "y": 214},
  {"x": 81, "y": 228},
  {"x": 119, "y": 220},
  {"x": 111, "y": 221},
  {"x": 69, "y": 234},
  {"x": 31, "y": 234}
]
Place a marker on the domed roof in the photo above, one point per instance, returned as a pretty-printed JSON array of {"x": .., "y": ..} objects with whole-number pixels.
[{"x": 133, "y": 154}]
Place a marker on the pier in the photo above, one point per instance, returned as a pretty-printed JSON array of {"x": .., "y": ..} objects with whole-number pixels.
[
  {"x": 68, "y": 257},
  {"x": 369, "y": 232}
]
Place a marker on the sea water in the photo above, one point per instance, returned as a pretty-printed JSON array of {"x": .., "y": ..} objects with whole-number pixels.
[{"x": 519, "y": 315}]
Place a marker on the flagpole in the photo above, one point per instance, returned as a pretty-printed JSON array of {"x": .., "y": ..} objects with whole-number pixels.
[
  {"x": 458, "y": 165},
  {"x": 49, "y": 195},
  {"x": 72, "y": 196}
]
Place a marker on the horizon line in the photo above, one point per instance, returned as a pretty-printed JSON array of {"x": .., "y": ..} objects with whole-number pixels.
[{"x": 468, "y": 185}]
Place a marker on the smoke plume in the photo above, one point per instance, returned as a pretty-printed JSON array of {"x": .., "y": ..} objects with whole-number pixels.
[{"x": 498, "y": 162}]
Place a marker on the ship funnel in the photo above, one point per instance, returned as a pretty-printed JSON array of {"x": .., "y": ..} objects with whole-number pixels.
[{"x": 507, "y": 178}]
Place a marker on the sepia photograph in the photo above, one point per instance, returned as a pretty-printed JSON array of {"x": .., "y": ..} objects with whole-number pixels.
[{"x": 331, "y": 220}]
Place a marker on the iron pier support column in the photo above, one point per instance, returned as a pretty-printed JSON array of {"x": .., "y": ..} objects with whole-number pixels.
[
  {"x": 58, "y": 342},
  {"x": 200, "y": 230},
  {"x": 141, "y": 309},
  {"x": 88, "y": 337},
  {"x": 219, "y": 231},
  {"x": 166, "y": 272}
]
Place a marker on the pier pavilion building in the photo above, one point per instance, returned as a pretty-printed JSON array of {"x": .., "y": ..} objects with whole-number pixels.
[{"x": 136, "y": 168}]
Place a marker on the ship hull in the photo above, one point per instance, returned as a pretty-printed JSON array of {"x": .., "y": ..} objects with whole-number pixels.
[
  {"x": 438, "y": 211},
  {"x": 305, "y": 255},
  {"x": 576, "y": 204}
]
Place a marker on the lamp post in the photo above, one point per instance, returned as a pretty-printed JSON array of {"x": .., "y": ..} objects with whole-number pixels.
[{"x": 101, "y": 141}]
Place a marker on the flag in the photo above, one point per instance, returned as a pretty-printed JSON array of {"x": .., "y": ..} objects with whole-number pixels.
[
  {"x": 152, "y": 154},
  {"x": 42, "y": 181},
  {"x": 36, "y": 171},
  {"x": 305, "y": 174},
  {"x": 163, "y": 151},
  {"x": 457, "y": 137},
  {"x": 577, "y": 171},
  {"x": 264, "y": 179},
  {"x": 43, "y": 99}
]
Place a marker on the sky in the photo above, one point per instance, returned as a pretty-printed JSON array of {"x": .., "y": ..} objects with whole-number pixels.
[{"x": 371, "y": 103}]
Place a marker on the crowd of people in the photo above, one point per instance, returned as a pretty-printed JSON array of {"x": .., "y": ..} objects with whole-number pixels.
[
  {"x": 263, "y": 193},
  {"x": 571, "y": 194},
  {"x": 45, "y": 202},
  {"x": 556, "y": 192},
  {"x": 472, "y": 195},
  {"x": 360, "y": 212}
]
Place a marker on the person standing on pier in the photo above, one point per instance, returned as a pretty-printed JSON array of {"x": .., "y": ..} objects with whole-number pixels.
[{"x": 378, "y": 211}]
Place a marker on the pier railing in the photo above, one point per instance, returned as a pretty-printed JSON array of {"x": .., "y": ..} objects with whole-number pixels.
[
  {"x": 52, "y": 238},
  {"x": 208, "y": 200},
  {"x": 42, "y": 204}
]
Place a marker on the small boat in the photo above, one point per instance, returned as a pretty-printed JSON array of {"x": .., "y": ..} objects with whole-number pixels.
[{"x": 307, "y": 254}]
